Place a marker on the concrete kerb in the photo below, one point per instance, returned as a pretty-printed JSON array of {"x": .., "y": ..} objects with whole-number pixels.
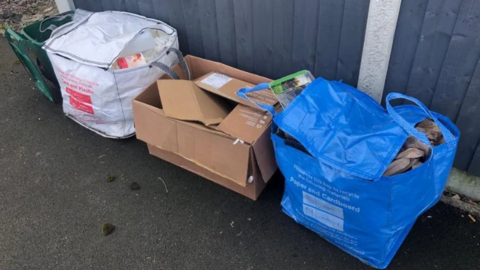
[{"x": 465, "y": 185}]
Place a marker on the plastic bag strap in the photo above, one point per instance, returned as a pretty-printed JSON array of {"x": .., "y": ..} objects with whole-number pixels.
[
  {"x": 166, "y": 69},
  {"x": 181, "y": 61},
  {"x": 172, "y": 74},
  {"x": 55, "y": 19},
  {"x": 242, "y": 93},
  {"x": 447, "y": 135}
]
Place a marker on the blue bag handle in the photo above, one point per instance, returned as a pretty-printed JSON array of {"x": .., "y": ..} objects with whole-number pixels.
[
  {"x": 242, "y": 93},
  {"x": 447, "y": 135}
]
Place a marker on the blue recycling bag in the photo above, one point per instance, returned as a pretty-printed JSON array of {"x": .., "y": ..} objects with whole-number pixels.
[{"x": 337, "y": 189}]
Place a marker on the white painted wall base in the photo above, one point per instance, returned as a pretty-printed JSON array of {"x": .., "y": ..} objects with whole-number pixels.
[
  {"x": 64, "y": 5},
  {"x": 381, "y": 25}
]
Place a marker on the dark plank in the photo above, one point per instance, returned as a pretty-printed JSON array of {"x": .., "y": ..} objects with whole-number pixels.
[
  {"x": 438, "y": 25},
  {"x": 132, "y": 6},
  {"x": 145, "y": 8},
  {"x": 460, "y": 62},
  {"x": 282, "y": 38},
  {"x": 468, "y": 123},
  {"x": 108, "y": 5},
  {"x": 474, "y": 168},
  {"x": 405, "y": 43},
  {"x": 330, "y": 19},
  {"x": 119, "y": 5},
  {"x": 226, "y": 32},
  {"x": 208, "y": 21},
  {"x": 263, "y": 37},
  {"x": 304, "y": 34},
  {"x": 193, "y": 27},
  {"x": 160, "y": 10},
  {"x": 81, "y": 4},
  {"x": 244, "y": 33},
  {"x": 175, "y": 15},
  {"x": 353, "y": 32},
  {"x": 78, "y": 4},
  {"x": 90, "y": 5}
]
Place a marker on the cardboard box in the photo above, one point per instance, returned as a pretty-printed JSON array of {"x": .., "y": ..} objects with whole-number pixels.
[{"x": 210, "y": 133}]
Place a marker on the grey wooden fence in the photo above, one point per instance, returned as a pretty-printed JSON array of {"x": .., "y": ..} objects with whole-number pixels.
[
  {"x": 272, "y": 38},
  {"x": 434, "y": 58}
]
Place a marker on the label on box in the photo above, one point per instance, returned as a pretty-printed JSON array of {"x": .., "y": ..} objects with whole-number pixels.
[
  {"x": 216, "y": 80},
  {"x": 245, "y": 123}
]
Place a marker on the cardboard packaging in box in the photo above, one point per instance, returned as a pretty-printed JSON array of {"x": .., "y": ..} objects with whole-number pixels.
[
  {"x": 227, "y": 87},
  {"x": 202, "y": 126}
]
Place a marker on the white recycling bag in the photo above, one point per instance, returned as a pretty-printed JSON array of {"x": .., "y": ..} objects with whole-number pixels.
[{"x": 95, "y": 93}]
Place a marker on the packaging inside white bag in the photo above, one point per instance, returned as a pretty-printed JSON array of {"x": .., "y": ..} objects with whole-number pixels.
[{"x": 146, "y": 47}]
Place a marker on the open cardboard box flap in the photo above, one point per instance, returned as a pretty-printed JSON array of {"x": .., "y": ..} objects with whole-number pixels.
[
  {"x": 183, "y": 100},
  {"x": 227, "y": 87}
]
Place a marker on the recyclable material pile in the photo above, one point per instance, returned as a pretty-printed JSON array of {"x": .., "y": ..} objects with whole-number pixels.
[
  {"x": 413, "y": 152},
  {"x": 287, "y": 88},
  {"x": 103, "y": 60},
  {"x": 355, "y": 173}
]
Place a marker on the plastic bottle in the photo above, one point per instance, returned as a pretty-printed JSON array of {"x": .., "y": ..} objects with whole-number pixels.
[
  {"x": 143, "y": 49},
  {"x": 131, "y": 61},
  {"x": 143, "y": 41}
]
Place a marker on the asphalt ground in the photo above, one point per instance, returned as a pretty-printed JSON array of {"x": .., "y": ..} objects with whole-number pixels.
[{"x": 54, "y": 197}]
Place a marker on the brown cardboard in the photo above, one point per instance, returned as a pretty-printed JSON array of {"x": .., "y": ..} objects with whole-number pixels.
[
  {"x": 151, "y": 123},
  {"x": 251, "y": 191},
  {"x": 185, "y": 101},
  {"x": 246, "y": 123},
  {"x": 262, "y": 149},
  {"x": 227, "y": 87},
  {"x": 214, "y": 154},
  {"x": 208, "y": 148}
]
